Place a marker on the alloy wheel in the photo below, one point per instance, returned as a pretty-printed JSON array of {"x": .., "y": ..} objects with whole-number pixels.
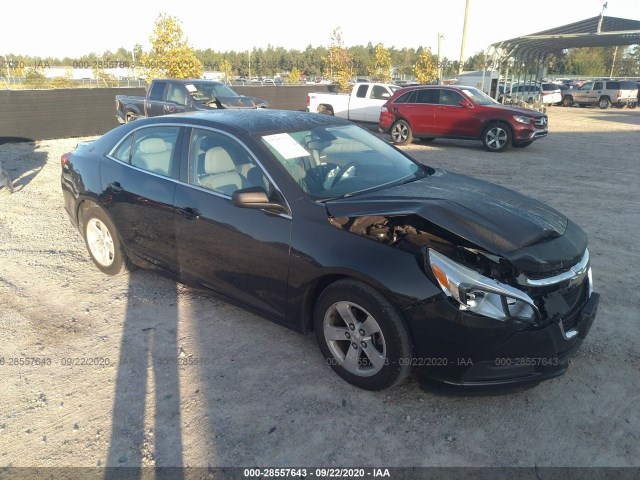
[
  {"x": 354, "y": 339},
  {"x": 100, "y": 242}
]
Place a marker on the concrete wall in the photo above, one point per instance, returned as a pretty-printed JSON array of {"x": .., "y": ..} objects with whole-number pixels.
[{"x": 63, "y": 113}]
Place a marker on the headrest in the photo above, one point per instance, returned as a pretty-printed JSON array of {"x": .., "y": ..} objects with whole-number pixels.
[
  {"x": 153, "y": 145},
  {"x": 217, "y": 160}
]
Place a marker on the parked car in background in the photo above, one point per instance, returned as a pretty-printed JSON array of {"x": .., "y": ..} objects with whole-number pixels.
[
  {"x": 166, "y": 96},
  {"x": 548, "y": 93},
  {"x": 432, "y": 111},
  {"x": 603, "y": 93},
  {"x": 317, "y": 224},
  {"x": 361, "y": 105}
]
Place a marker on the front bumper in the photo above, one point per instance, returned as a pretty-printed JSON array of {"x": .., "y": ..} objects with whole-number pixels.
[{"x": 459, "y": 349}]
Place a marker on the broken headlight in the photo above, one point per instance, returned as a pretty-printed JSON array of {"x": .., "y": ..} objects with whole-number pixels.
[{"x": 479, "y": 294}]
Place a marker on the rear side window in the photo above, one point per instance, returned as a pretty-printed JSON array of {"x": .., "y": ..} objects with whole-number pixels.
[
  {"x": 153, "y": 149},
  {"x": 597, "y": 86},
  {"x": 123, "y": 152},
  {"x": 408, "y": 97},
  {"x": 548, "y": 87},
  {"x": 362, "y": 91},
  {"x": 157, "y": 91}
]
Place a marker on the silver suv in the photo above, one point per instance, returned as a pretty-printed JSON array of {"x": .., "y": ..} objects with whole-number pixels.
[{"x": 602, "y": 93}]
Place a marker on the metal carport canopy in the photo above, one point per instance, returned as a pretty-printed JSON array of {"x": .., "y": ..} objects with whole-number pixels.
[{"x": 599, "y": 31}]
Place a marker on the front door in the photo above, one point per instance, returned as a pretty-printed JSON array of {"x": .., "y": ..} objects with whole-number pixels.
[{"x": 238, "y": 252}]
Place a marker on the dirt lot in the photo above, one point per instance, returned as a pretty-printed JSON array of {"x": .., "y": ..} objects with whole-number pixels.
[{"x": 108, "y": 390}]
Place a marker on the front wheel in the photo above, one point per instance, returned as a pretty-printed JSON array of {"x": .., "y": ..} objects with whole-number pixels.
[
  {"x": 497, "y": 137},
  {"x": 604, "y": 103},
  {"x": 362, "y": 336},
  {"x": 130, "y": 116},
  {"x": 567, "y": 101},
  {"x": 401, "y": 133},
  {"x": 102, "y": 242}
]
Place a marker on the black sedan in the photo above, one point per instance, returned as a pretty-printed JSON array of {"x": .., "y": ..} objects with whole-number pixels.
[{"x": 317, "y": 224}]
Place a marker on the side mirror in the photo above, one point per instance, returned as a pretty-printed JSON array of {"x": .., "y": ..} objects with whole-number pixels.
[
  {"x": 465, "y": 103},
  {"x": 255, "y": 197}
]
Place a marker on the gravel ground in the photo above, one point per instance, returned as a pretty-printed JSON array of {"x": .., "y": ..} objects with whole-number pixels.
[{"x": 107, "y": 389}]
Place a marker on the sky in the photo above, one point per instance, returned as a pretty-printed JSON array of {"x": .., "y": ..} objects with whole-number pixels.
[{"x": 65, "y": 28}]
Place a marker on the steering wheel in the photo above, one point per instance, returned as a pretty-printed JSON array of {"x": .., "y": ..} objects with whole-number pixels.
[{"x": 341, "y": 171}]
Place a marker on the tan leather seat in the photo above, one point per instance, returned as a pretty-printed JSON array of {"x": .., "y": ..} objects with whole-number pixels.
[
  {"x": 220, "y": 172},
  {"x": 154, "y": 155}
]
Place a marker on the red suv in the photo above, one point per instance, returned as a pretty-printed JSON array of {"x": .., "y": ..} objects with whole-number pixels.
[{"x": 433, "y": 111}]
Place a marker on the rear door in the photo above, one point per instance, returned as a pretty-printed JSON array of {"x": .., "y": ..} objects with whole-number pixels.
[
  {"x": 423, "y": 114},
  {"x": 138, "y": 185},
  {"x": 239, "y": 252}
]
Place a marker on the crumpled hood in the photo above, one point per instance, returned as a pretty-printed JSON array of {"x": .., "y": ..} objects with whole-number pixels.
[
  {"x": 241, "y": 102},
  {"x": 494, "y": 218}
]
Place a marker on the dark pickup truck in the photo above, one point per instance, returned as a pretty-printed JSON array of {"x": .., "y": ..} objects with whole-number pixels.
[{"x": 175, "y": 96}]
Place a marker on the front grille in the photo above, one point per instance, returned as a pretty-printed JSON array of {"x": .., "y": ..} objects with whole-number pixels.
[
  {"x": 541, "y": 122},
  {"x": 575, "y": 297},
  {"x": 562, "y": 304}
]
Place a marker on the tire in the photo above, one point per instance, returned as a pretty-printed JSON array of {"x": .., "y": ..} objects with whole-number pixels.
[
  {"x": 322, "y": 109},
  {"x": 401, "y": 133},
  {"x": 604, "y": 103},
  {"x": 130, "y": 116},
  {"x": 522, "y": 145},
  {"x": 632, "y": 105},
  {"x": 103, "y": 242},
  {"x": 497, "y": 137},
  {"x": 567, "y": 101},
  {"x": 350, "y": 313},
  {"x": 427, "y": 139}
]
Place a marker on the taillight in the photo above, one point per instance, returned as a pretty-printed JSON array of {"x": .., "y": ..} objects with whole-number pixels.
[
  {"x": 308, "y": 100},
  {"x": 619, "y": 94},
  {"x": 64, "y": 159}
]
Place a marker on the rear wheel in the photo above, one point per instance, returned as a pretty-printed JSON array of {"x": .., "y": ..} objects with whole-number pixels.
[
  {"x": 604, "y": 103},
  {"x": 401, "y": 133},
  {"x": 102, "y": 241},
  {"x": 362, "y": 336},
  {"x": 497, "y": 137},
  {"x": 324, "y": 110}
]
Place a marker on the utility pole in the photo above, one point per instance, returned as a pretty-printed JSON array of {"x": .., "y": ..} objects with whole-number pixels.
[
  {"x": 440, "y": 36},
  {"x": 464, "y": 38},
  {"x": 613, "y": 62}
]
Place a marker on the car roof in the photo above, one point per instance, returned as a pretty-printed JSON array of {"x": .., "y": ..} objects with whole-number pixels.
[{"x": 260, "y": 120}]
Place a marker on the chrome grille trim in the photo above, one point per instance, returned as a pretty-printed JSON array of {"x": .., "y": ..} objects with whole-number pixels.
[{"x": 575, "y": 275}]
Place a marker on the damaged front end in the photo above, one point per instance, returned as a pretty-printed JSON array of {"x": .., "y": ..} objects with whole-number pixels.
[
  {"x": 484, "y": 283},
  {"x": 491, "y": 312}
]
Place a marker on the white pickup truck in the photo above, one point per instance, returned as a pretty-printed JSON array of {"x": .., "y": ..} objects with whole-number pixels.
[{"x": 361, "y": 105}]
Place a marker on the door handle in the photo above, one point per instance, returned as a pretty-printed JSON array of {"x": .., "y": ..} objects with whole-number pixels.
[
  {"x": 189, "y": 213},
  {"x": 115, "y": 187}
]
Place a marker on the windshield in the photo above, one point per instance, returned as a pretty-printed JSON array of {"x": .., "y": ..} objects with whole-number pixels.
[
  {"x": 477, "y": 96},
  {"x": 206, "y": 91},
  {"x": 336, "y": 161}
]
